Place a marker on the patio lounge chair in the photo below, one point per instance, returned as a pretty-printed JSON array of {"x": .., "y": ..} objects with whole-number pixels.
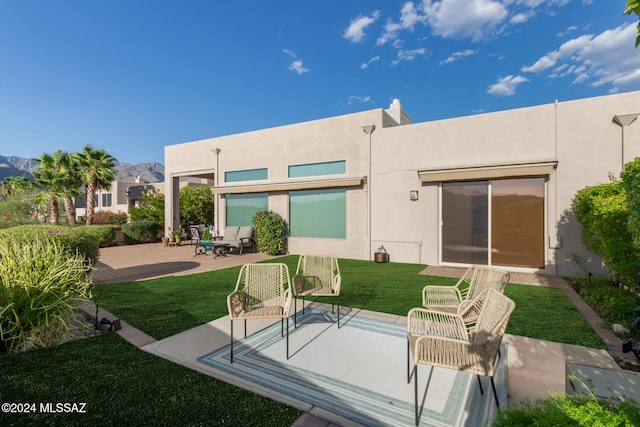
[
  {"x": 263, "y": 291},
  {"x": 238, "y": 237},
  {"x": 445, "y": 340},
  {"x": 316, "y": 275},
  {"x": 455, "y": 299}
]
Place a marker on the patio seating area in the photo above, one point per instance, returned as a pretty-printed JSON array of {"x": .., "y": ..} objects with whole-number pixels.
[{"x": 533, "y": 367}]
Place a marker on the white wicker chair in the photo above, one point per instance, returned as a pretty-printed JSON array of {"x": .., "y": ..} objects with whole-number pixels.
[
  {"x": 455, "y": 299},
  {"x": 449, "y": 341},
  {"x": 316, "y": 275},
  {"x": 262, "y": 291}
]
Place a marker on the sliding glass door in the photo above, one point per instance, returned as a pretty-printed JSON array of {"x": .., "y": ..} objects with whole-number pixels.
[
  {"x": 465, "y": 213},
  {"x": 497, "y": 222}
]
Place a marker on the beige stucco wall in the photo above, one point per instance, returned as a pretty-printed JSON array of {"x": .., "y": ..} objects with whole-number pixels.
[
  {"x": 331, "y": 139},
  {"x": 580, "y": 136}
]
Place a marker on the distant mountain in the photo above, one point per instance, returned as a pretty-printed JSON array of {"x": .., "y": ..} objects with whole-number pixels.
[
  {"x": 148, "y": 172},
  {"x": 16, "y": 166}
]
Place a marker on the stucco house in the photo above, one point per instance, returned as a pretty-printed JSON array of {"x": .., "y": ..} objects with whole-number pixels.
[
  {"x": 120, "y": 197},
  {"x": 492, "y": 189}
]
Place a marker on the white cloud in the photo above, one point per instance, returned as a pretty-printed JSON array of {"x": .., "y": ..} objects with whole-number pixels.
[
  {"x": 408, "y": 55},
  {"x": 550, "y": 59},
  {"x": 457, "y": 56},
  {"x": 506, "y": 86},
  {"x": 569, "y": 29},
  {"x": 296, "y": 65},
  {"x": 391, "y": 30},
  {"x": 475, "y": 19},
  {"x": 358, "y": 99},
  {"x": 355, "y": 32},
  {"x": 369, "y": 62},
  {"x": 607, "y": 58},
  {"x": 409, "y": 17},
  {"x": 519, "y": 18}
]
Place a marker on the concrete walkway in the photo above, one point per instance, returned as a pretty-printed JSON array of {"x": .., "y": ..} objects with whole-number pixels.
[{"x": 536, "y": 367}]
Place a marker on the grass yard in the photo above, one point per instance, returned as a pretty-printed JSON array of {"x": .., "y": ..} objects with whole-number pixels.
[
  {"x": 122, "y": 385},
  {"x": 166, "y": 306}
]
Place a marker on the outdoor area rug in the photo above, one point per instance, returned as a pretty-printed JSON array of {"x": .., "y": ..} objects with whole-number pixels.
[{"x": 358, "y": 372}]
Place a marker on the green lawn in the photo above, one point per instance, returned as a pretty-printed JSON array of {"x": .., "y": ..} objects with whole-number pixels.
[
  {"x": 125, "y": 386},
  {"x": 166, "y": 306}
]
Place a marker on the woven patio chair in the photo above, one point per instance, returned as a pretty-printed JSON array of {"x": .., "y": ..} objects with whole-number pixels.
[
  {"x": 316, "y": 275},
  {"x": 263, "y": 291},
  {"x": 446, "y": 340},
  {"x": 455, "y": 299}
]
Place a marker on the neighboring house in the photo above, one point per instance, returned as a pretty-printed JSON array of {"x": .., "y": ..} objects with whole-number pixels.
[
  {"x": 492, "y": 189},
  {"x": 121, "y": 197}
]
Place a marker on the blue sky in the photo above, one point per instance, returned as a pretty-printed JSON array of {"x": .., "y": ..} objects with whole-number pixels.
[{"x": 134, "y": 76}]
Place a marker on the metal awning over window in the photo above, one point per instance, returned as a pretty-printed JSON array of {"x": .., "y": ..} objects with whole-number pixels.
[
  {"x": 288, "y": 186},
  {"x": 486, "y": 172}
]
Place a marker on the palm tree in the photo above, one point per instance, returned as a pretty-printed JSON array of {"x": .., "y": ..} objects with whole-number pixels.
[
  {"x": 48, "y": 181},
  {"x": 14, "y": 185},
  {"x": 57, "y": 175},
  {"x": 96, "y": 170}
]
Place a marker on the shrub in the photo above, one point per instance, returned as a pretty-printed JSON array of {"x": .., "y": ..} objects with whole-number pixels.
[
  {"x": 103, "y": 233},
  {"x": 569, "y": 410},
  {"x": 615, "y": 304},
  {"x": 151, "y": 208},
  {"x": 196, "y": 205},
  {"x": 602, "y": 211},
  {"x": 143, "y": 231},
  {"x": 40, "y": 287},
  {"x": 270, "y": 232},
  {"x": 73, "y": 241},
  {"x": 107, "y": 217},
  {"x": 17, "y": 210}
]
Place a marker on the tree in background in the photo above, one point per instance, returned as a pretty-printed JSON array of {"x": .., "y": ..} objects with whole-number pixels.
[
  {"x": 16, "y": 185},
  {"x": 196, "y": 205},
  {"x": 96, "y": 171},
  {"x": 633, "y": 6},
  {"x": 151, "y": 208},
  {"x": 17, "y": 202},
  {"x": 48, "y": 180},
  {"x": 57, "y": 175}
]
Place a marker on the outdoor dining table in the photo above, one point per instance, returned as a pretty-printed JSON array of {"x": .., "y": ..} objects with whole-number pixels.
[{"x": 217, "y": 248}]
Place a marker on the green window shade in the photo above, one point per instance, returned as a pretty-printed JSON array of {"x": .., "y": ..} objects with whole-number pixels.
[
  {"x": 246, "y": 175},
  {"x": 241, "y": 208},
  {"x": 315, "y": 169},
  {"x": 318, "y": 213}
]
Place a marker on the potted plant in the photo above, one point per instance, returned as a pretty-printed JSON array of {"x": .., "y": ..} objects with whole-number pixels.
[
  {"x": 165, "y": 241},
  {"x": 206, "y": 237},
  {"x": 177, "y": 235}
]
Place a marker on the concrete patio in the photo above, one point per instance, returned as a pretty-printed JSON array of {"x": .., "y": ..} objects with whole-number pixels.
[{"x": 535, "y": 367}]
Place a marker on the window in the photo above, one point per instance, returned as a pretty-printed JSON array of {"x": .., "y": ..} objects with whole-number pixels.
[
  {"x": 246, "y": 175},
  {"x": 498, "y": 222},
  {"x": 318, "y": 213},
  {"x": 241, "y": 208},
  {"x": 106, "y": 199},
  {"x": 315, "y": 169}
]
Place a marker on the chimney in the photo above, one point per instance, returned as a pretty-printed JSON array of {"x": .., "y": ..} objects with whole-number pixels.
[{"x": 396, "y": 112}]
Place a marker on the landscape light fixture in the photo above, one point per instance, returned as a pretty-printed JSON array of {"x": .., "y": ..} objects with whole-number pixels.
[{"x": 113, "y": 325}]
